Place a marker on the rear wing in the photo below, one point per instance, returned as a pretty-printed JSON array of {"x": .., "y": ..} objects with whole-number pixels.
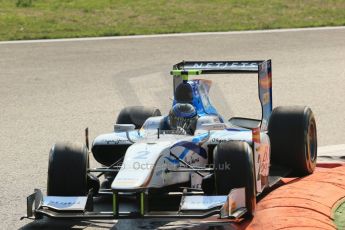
[
  {"x": 262, "y": 68},
  {"x": 220, "y": 66}
]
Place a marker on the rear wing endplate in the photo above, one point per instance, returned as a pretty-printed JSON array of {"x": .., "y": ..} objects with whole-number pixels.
[{"x": 262, "y": 68}]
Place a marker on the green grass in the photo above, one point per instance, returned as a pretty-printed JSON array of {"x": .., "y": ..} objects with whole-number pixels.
[
  {"x": 34, "y": 19},
  {"x": 339, "y": 215}
]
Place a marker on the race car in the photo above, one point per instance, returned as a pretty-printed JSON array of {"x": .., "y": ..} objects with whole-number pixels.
[{"x": 191, "y": 162}]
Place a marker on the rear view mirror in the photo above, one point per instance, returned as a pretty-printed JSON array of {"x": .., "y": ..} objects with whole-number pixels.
[
  {"x": 213, "y": 126},
  {"x": 123, "y": 127},
  {"x": 245, "y": 122}
]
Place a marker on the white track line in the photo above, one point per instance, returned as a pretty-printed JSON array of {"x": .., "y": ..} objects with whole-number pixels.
[
  {"x": 336, "y": 150},
  {"x": 331, "y": 153},
  {"x": 174, "y": 35}
]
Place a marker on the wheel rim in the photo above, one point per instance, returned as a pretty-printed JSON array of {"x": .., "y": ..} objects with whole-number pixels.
[{"x": 312, "y": 141}]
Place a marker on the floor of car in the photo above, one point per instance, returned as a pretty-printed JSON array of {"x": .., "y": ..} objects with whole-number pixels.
[{"x": 276, "y": 173}]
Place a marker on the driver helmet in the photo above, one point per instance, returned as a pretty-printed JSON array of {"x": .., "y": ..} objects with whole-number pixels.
[{"x": 183, "y": 115}]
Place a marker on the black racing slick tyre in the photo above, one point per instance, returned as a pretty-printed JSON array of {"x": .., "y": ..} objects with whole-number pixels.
[
  {"x": 137, "y": 115},
  {"x": 67, "y": 170},
  {"x": 234, "y": 168},
  {"x": 292, "y": 132}
]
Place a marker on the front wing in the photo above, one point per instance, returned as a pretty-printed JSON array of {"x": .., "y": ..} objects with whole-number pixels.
[{"x": 192, "y": 205}]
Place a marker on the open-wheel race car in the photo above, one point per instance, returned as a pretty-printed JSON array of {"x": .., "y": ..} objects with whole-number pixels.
[{"x": 189, "y": 163}]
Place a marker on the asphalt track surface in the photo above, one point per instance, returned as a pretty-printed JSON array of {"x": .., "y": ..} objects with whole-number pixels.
[{"x": 51, "y": 91}]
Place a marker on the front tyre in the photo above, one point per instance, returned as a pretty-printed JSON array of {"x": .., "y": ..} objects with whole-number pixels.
[
  {"x": 292, "y": 132},
  {"x": 67, "y": 170},
  {"x": 234, "y": 168}
]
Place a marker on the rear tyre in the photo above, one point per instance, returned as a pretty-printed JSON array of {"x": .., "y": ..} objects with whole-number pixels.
[
  {"x": 137, "y": 115},
  {"x": 234, "y": 168},
  {"x": 67, "y": 170},
  {"x": 292, "y": 132}
]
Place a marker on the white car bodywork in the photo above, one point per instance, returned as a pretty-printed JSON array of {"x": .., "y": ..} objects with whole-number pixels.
[{"x": 148, "y": 158}]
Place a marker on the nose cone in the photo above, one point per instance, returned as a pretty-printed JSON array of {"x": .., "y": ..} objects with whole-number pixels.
[{"x": 139, "y": 165}]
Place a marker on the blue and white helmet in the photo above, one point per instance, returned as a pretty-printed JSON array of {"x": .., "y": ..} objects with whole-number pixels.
[{"x": 183, "y": 115}]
